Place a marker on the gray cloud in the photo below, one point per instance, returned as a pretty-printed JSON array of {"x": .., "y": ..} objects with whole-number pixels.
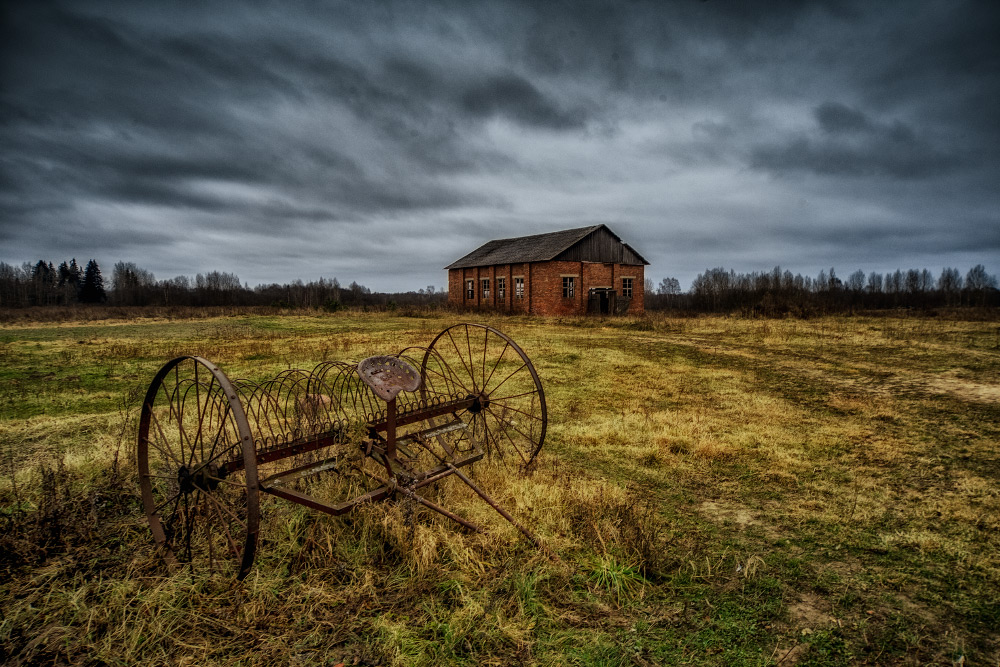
[
  {"x": 515, "y": 98},
  {"x": 852, "y": 145},
  {"x": 291, "y": 140}
]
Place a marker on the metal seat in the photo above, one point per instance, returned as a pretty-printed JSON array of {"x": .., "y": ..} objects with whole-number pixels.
[{"x": 387, "y": 376}]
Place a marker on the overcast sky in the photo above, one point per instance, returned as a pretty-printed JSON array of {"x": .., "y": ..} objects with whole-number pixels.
[{"x": 379, "y": 142}]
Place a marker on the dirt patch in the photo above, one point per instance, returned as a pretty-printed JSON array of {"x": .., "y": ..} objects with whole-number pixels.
[
  {"x": 740, "y": 516},
  {"x": 810, "y": 612},
  {"x": 965, "y": 389},
  {"x": 791, "y": 656}
]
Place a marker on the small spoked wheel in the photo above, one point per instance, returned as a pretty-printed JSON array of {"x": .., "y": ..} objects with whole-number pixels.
[
  {"x": 197, "y": 469},
  {"x": 507, "y": 418}
]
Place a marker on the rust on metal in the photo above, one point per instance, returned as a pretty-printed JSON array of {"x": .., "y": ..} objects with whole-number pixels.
[
  {"x": 387, "y": 376},
  {"x": 209, "y": 446}
]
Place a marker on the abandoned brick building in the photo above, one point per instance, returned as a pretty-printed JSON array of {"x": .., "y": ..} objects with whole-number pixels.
[{"x": 571, "y": 272}]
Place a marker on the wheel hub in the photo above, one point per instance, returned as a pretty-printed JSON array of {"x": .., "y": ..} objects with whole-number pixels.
[
  {"x": 203, "y": 478},
  {"x": 479, "y": 402}
]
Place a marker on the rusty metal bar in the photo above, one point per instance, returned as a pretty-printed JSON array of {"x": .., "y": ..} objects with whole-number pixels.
[
  {"x": 301, "y": 472},
  {"x": 426, "y": 503},
  {"x": 423, "y": 414},
  {"x": 336, "y": 510},
  {"x": 502, "y": 512}
]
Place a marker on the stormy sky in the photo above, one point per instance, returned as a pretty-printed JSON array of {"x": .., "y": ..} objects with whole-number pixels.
[{"x": 378, "y": 142}]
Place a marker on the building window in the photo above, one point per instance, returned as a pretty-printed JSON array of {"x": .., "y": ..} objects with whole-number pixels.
[
  {"x": 626, "y": 288},
  {"x": 486, "y": 288},
  {"x": 569, "y": 287},
  {"x": 501, "y": 288},
  {"x": 470, "y": 289},
  {"x": 519, "y": 288}
]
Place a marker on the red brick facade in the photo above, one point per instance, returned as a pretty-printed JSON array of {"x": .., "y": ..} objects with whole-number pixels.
[{"x": 544, "y": 287}]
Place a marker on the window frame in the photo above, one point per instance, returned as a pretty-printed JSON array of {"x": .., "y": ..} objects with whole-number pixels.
[
  {"x": 628, "y": 288},
  {"x": 470, "y": 289},
  {"x": 569, "y": 287},
  {"x": 518, "y": 287},
  {"x": 484, "y": 287},
  {"x": 501, "y": 287}
]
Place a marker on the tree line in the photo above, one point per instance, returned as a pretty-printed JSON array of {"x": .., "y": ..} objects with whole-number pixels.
[
  {"x": 777, "y": 292},
  {"x": 769, "y": 293},
  {"x": 41, "y": 284}
]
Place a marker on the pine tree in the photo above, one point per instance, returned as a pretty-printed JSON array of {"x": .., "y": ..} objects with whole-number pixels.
[
  {"x": 43, "y": 282},
  {"x": 92, "y": 289}
]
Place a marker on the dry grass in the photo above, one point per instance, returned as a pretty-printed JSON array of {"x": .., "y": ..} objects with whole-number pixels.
[{"x": 719, "y": 491}]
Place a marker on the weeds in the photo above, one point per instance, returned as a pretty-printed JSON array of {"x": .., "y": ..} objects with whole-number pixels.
[{"x": 719, "y": 490}]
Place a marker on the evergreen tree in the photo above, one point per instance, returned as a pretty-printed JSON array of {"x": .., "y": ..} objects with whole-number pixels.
[
  {"x": 74, "y": 272},
  {"x": 43, "y": 284},
  {"x": 92, "y": 288}
]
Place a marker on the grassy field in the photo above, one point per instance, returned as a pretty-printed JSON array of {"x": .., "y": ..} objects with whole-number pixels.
[{"x": 719, "y": 491}]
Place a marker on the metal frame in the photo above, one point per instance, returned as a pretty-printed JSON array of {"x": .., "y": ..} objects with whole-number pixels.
[{"x": 208, "y": 446}]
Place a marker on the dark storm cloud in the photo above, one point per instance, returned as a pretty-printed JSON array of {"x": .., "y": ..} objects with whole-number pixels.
[
  {"x": 287, "y": 140},
  {"x": 515, "y": 98},
  {"x": 848, "y": 143}
]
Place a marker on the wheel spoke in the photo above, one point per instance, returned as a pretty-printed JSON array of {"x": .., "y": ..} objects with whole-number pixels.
[
  {"x": 491, "y": 365},
  {"x": 486, "y": 383},
  {"x": 227, "y": 482},
  {"x": 486, "y": 342},
  {"x": 515, "y": 372},
  {"x": 166, "y": 441},
  {"x": 472, "y": 376},
  {"x": 507, "y": 398},
  {"x": 510, "y": 407},
  {"x": 225, "y": 526},
  {"x": 156, "y": 510},
  {"x": 509, "y": 424},
  {"x": 209, "y": 523}
]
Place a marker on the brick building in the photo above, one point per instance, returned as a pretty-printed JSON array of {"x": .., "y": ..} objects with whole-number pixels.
[{"x": 572, "y": 272}]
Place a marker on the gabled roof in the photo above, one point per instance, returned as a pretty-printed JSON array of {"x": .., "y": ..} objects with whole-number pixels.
[{"x": 535, "y": 248}]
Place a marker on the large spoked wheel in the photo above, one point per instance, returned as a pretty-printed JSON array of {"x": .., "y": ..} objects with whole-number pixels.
[
  {"x": 197, "y": 469},
  {"x": 507, "y": 418}
]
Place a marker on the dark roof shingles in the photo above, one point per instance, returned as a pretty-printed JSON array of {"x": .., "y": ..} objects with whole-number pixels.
[{"x": 536, "y": 248}]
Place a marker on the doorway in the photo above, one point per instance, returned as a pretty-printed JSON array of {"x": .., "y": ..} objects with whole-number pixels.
[{"x": 601, "y": 301}]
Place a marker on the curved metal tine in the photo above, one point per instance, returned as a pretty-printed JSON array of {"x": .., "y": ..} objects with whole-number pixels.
[
  {"x": 332, "y": 409},
  {"x": 434, "y": 382},
  {"x": 292, "y": 392},
  {"x": 188, "y": 445},
  {"x": 336, "y": 377},
  {"x": 178, "y": 396},
  {"x": 360, "y": 397},
  {"x": 453, "y": 376},
  {"x": 214, "y": 421},
  {"x": 408, "y": 401},
  {"x": 165, "y": 449},
  {"x": 274, "y": 407},
  {"x": 218, "y": 411},
  {"x": 305, "y": 409},
  {"x": 438, "y": 377},
  {"x": 231, "y": 441},
  {"x": 277, "y": 424},
  {"x": 256, "y": 401},
  {"x": 204, "y": 409}
]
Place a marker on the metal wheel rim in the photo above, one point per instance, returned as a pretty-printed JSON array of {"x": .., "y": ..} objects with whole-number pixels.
[
  {"x": 196, "y": 514},
  {"x": 478, "y": 376}
]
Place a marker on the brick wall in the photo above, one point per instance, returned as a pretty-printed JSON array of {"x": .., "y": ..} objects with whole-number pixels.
[{"x": 543, "y": 286}]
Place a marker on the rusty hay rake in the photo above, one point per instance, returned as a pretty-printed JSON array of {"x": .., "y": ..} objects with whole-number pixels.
[{"x": 385, "y": 427}]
